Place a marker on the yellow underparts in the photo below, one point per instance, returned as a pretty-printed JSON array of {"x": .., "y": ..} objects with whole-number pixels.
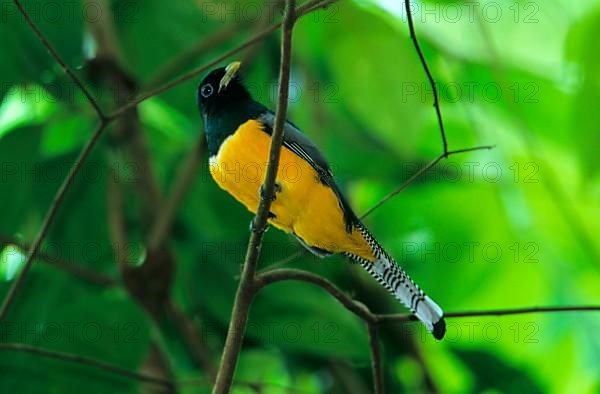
[{"x": 303, "y": 206}]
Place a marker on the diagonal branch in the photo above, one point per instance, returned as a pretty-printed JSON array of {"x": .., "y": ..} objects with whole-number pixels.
[
  {"x": 59, "y": 60},
  {"x": 180, "y": 61},
  {"x": 419, "y": 173},
  {"x": 83, "y": 360},
  {"x": 49, "y": 219},
  {"x": 305, "y": 9},
  {"x": 398, "y": 190},
  {"x": 246, "y": 292},
  {"x": 117, "y": 370}
]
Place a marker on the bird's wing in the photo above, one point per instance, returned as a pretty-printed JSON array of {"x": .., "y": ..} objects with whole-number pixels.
[{"x": 302, "y": 146}]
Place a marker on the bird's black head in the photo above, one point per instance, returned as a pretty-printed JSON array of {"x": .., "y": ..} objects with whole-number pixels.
[
  {"x": 221, "y": 89},
  {"x": 225, "y": 104}
]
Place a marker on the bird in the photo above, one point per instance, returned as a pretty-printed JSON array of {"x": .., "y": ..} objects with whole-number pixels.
[{"x": 307, "y": 203}]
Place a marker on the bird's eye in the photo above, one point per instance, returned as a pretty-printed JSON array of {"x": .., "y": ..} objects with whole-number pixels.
[{"x": 206, "y": 90}]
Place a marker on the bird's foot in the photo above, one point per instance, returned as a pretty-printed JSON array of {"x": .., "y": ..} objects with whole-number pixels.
[
  {"x": 262, "y": 193},
  {"x": 254, "y": 228}
]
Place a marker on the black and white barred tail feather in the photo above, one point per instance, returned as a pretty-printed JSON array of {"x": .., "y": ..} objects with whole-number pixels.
[{"x": 390, "y": 275}]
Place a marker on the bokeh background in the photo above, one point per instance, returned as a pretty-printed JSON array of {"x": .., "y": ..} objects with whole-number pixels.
[{"x": 511, "y": 227}]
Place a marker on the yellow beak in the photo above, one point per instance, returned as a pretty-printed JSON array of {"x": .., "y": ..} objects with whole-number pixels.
[{"x": 230, "y": 72}]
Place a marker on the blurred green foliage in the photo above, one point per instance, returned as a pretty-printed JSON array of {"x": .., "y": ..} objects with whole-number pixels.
[{"x": 516, "y": 226}]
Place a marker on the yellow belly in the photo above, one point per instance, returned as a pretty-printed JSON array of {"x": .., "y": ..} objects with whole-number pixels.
[{"x": 304, "y": 206}]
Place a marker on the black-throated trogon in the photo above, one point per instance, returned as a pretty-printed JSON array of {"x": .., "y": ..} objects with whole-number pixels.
[{"x": 308, "y": 203}]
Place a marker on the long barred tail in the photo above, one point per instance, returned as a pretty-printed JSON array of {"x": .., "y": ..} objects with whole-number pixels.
[{"x": 389, "y": 274}]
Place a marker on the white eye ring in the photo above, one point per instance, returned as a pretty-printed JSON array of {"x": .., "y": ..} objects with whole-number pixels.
[{"x": 206, "y": 90}]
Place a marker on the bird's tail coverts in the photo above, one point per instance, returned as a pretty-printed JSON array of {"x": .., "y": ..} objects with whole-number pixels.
[{"x": 390, "y": 275}]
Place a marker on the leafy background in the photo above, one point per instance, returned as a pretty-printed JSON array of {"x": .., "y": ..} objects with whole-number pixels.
[{"x": 362, "y": 97}]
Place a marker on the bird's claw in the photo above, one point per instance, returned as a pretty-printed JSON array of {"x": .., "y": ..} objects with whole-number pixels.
[
  {"x": 253, "y": 228},
  {"x": 262, "y": 193}
]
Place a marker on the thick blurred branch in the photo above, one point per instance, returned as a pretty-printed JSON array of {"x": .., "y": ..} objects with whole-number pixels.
[
  {"x": 150, "y": 282},
  {"x": 246, "y": 290},
  {"x": 376, "y": 359}
]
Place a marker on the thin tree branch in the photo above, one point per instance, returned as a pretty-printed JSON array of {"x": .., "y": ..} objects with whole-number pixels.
[
  {"x": 301, "y": 11},
  {"x": 361, "y": 311},
  {"x": 285, "y": 274},
  {"x": 83, "y": 360},
  {"x": 376, "y": 361},
  {"x": 59, "y": 60},
  {"x": 188, "y": 55},
  {"x": 496, "y": 312},
  {"x": 419, "y": 173},
  {"x": 245, "y": 293},
  {"x": 436, "y": 99},
  {"x": 111, "y": 368},
  {"x": 76, "y": 269},
  {"x": 49, "y": 219}
]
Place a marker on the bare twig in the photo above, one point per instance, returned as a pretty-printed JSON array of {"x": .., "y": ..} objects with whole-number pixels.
[
  {"x": 285, "y": 274},
  {"x": 436, "y": 99},
  {"x": 74, "y": 170},
  {"x": 418, "y": 174},
  {"x": 76, "y": 269},
  {"x": 245, "y": 293},
  {"x": 187, "y": 56},
  {"x": 376, "y": 362},
  {"x": 49, "y": 219},
  {"x": 59, "y": 60},
  {"x": 496, "y": 312},
  {"x": 115, "y": 369},
  {"x": 301, "y": 11},
  {"x": 83, "y": 360}
]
